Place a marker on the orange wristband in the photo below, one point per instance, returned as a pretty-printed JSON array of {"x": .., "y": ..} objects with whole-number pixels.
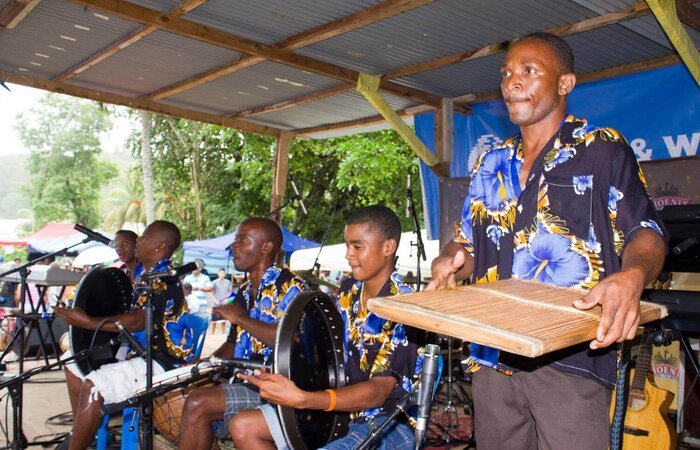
[{"x": 331, "y": 407}]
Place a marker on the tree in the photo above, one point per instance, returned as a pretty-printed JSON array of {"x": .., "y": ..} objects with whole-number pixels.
[
  {"x": 62, "y": 134},
  {"x": 213, "y": 178}
]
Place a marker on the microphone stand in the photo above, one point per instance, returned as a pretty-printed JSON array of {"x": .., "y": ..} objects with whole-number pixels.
[
  {"x": 377, "y": 433},
  {"x": 316, "y": 265},
  {"x": 420, "y": 248},
  {"x": 19, "y": 441}
]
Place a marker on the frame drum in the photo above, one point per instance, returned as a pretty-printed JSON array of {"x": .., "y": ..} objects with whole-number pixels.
[
  {"x": 105, "y": 291},
  {"x": 309, "y": 351}
]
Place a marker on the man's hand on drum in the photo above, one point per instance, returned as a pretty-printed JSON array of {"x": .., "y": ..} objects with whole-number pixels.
[
  {"x": 452, "y": 264},
  {"x": 276, "y": 388},
  {"x": 233, "y": 312},
  {"x": 76, "y": 317}
]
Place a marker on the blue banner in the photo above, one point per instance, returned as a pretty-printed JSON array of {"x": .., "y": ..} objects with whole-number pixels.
[{"x": 658, "y": 112}]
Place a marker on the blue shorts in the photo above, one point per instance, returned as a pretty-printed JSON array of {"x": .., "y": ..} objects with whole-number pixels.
[{"x": 398, "y": 436}]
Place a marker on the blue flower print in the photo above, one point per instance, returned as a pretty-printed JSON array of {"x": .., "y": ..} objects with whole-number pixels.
[
  {"x": 563, "y": 154},
  {"x": 491, "y": 184},
  {"x": 582, "y": 183},
  {"x": 614, "y": 196},
  {"x": 399, "y": 336},
  {"x": 494, "y": 232},
  {"x": 180, "y": 333},
  {"x": 651, "y": 224},
  {"x": 550, "y": 260},
  {"x": 593, "y": 244},
  {"x": 169, "y": 305}
]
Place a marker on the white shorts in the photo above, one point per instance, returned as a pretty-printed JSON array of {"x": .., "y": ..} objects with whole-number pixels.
[{"x": 121, "y": 380}]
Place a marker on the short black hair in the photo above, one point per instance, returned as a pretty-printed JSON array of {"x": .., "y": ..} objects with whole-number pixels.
[
  {"x": 379, "y": 218},
  {"x": 270, "y": 228},
  {"x": 170, "y": 233},
  {"x": 128, "y": 234},
  {"x": 562, "y": 50}
]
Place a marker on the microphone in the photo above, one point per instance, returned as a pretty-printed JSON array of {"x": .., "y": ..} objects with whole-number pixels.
[
  {"x": 297, "y": 196},
  {"x": 685, "y": 245},
  {"x": 197, "y": 264},
  {"x": 241, "y": 363},
  {"x": 138, "y": 348},
  {"x": 425, "y": 391},
  {"x": 93, "y": 235}
]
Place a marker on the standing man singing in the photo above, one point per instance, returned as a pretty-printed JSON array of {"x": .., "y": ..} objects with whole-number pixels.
[{"x": 565, "y": 203}]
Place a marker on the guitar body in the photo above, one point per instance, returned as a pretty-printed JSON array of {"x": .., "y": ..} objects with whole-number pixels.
[{"x": 647, "y": 425}]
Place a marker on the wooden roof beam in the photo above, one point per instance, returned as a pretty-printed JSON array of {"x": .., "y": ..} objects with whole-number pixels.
[
  {"x": 137, "y": 35},
  {"x": 367, "y": 16},
  {"x": 241, "y": 44},
  {"x": 131, "y": 102},
  {"x": 689, "y": 14},
  {"x": 14, "y": 11},
  {"x": 637, "y": 10}
]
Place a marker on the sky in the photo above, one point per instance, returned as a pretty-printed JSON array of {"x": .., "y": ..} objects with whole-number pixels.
[{"x": 23, "y": 98}]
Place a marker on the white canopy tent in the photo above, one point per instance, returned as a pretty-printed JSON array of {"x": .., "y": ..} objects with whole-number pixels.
[{"x": 333, "y": 256}]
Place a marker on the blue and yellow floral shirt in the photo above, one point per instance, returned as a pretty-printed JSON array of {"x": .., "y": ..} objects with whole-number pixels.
[
  {"x": 378, "y": 347},
  {"x": 585, "y": 197},
  {"x": 173, "y": 343},
  {"x": 278, "y": 287}
]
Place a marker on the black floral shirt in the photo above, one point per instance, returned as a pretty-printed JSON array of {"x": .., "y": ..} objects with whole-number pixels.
[
  {"x": 585, "y": 197},
  {"x": 173, "y": 342},
  {"x": 379, "y": 347}
]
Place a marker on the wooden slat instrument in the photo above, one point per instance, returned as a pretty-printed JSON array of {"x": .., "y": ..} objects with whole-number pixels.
[{"x": 522, "y": 317}]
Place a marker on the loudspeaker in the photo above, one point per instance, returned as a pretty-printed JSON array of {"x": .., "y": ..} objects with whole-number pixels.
[{"x": 32, "y": 344}]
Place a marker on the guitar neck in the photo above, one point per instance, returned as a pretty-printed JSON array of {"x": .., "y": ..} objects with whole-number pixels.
[{"x": 643, "y": 363}]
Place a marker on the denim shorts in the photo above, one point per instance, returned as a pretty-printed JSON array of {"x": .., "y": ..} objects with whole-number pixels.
[{"x": 397, "y": 436}]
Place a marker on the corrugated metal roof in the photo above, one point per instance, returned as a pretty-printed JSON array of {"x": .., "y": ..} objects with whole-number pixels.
[
  {"x": 271, "y": 21},
  {"x": 260, "y": 85},
  {"x": 440, "y": 29},
  {"x": 344, "y": 107},
  {"x": 158, "y": 60},
  {"x": 59, "y": 34}
]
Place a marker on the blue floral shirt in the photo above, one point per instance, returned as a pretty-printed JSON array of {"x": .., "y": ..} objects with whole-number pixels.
[
  {"x": 173, "y": 343},
  {"x": 585, "y": 197},
  {"x": 378, "y": 347},
  {"x": 278, "y": 287}
]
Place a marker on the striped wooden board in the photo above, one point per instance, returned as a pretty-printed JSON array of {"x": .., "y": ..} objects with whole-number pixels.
[{"x": 522, "y": 317}]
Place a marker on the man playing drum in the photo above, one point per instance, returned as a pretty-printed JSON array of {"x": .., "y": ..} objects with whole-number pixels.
[
  {"x": 117, "y": 382},
  {"x": 125, "y": 245},
  {"x": 380, "y": 355},
  {"x": 256, "y": 308},
  {"x": 564, "y": 203}
]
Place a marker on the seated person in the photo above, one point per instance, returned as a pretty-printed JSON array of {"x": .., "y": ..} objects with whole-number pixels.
[
  {"x": 380, "y": 355},
  {"x": 257, "y": 307},
  {"x": 125, "y": 245},
  {"x": 113, "y": 383}
]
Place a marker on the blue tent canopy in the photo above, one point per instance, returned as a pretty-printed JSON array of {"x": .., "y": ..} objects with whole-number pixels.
[{"x": 215, "y": 252}]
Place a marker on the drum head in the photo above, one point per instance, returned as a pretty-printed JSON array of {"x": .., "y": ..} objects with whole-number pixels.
[
  {"x": 105, "y": 291},
  {"x": 309, "y": 351}
]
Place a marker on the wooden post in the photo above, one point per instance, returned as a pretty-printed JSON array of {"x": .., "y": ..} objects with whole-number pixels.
[
  {"x": 444, "y": 135},
  {"x": 279, "y": 180},
  {"x": 279, "y": 177}
]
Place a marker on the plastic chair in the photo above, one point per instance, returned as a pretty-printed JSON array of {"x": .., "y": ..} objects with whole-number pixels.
[{"x": 198, "y": 324}]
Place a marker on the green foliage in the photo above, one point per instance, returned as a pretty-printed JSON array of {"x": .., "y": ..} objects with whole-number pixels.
[
  {"x": 62, "y": 134},
  {"x": 228, "y": 174}
]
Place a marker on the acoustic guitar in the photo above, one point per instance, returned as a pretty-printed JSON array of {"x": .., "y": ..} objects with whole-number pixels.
[{"x": 647, "y": 425}]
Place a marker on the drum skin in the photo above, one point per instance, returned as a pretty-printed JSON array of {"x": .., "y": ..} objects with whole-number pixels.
[
  {"x": 167, "y": 409},
  {"x": 104, "y": 291},
  {"x": 309, "y": 351}
]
